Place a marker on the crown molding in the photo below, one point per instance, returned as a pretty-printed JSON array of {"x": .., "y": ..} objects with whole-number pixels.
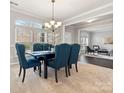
[
  {"x": 71, "y": 20},
  {"x": 108, "y": 21},
  {"x": 106, "y": 9},
  {"x": 15, "y": 9},
  {"x": 104, "y": 29}
]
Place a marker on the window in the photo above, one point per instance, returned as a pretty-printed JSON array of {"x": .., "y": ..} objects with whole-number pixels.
[
  {"x": 84, "y": 40},
  {"x": 28, "y": 32},
  {"x": 28, "y": 23}
]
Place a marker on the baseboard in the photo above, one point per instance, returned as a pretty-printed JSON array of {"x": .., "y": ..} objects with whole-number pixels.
[{"x": 13, "y": 63}]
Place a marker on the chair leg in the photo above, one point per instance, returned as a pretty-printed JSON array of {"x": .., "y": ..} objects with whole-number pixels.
[
  {"x": 66, "y": 71},
  {"x": 42, "y": 62},
  {"x": 76, "y": 67},
  {"x": 56, "y": 75},
  {"x": 20, "y": 71},
  {"x": 39, "y": 68},
  {"x": 69, "y": 71},
  {"x": 24, "y": 71},
  {"x": 70, "y": 66},
  {"x": 35, "y": 69}
]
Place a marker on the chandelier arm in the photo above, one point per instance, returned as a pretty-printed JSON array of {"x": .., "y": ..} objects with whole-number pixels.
[{"x": 52, "y": 25}]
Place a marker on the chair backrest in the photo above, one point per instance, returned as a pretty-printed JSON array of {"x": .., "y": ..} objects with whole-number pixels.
[
  {"x": 51, "y": 46},
  {"x": 42, "y": 46},
  {"x": 20, "y": 48},
  {"x": 62, "y": 55},
  {"x": 74, "y": 53},
  {"x": 46, "y": 47},
  {"x": 38, "y": 47}
]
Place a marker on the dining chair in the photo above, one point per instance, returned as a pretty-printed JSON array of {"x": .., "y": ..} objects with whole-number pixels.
[
  {"x": 62, "y": 53},
  {"x": 73, "y": 58},
  {"x": 51, "y": 46},
  {"x": 47, "y": 47},
  {"x": 41, "y": 47},
  {"x": 26, "y": 63},
  {"x": 37, "y": 47}
]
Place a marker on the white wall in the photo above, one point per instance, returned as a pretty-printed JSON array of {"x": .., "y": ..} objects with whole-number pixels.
[{"x": 97, "y": 38}]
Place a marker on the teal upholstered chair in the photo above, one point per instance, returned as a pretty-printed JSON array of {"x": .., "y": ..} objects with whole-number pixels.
[
  {"x": 51, "y": 46},
  {"x": 62, "y": 53},
  {"x": 38, "y": 47},
  {"x": 42, "y": 46},
  {"x": 26, "y": 63},
  {"x": 46, "y": 47},
  {"x": 74, "y": 53}
]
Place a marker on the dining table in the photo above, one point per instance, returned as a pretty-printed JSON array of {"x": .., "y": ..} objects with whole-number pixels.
[{"x": 44, "y": 55}]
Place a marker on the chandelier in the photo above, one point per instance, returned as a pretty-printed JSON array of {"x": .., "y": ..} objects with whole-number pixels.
[{"x": 52, "y": 25}]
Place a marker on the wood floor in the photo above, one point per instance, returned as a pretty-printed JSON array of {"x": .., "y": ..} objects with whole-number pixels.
[{"x": 89, "y": 79}]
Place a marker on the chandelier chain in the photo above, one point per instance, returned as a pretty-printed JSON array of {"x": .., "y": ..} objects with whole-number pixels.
[{"x": 52, "y": 10}]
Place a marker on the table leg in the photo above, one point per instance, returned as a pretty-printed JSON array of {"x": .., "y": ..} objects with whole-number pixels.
[
  {"x": 70, "y": 66},
  {"x": 45, "y": 69}
]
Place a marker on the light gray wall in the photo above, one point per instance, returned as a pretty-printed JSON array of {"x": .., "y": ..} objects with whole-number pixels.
[
  {"x": 75, "y": 35},
  {"x": 59, "y": 38},
  {"x": 97, "y": 38},
  {"x": 71, "y": 35}
]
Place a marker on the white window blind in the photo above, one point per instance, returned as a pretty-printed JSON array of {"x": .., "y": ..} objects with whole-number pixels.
[{"x": 28, "y": 32}]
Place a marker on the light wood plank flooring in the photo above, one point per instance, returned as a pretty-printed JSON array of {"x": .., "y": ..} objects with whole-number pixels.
[{"x": 89, "y": 79}]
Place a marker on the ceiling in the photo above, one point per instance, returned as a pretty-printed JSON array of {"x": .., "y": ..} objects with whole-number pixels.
[
  {"x": 101, "y": 23},
  {"x": 64, "y": 9}
]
